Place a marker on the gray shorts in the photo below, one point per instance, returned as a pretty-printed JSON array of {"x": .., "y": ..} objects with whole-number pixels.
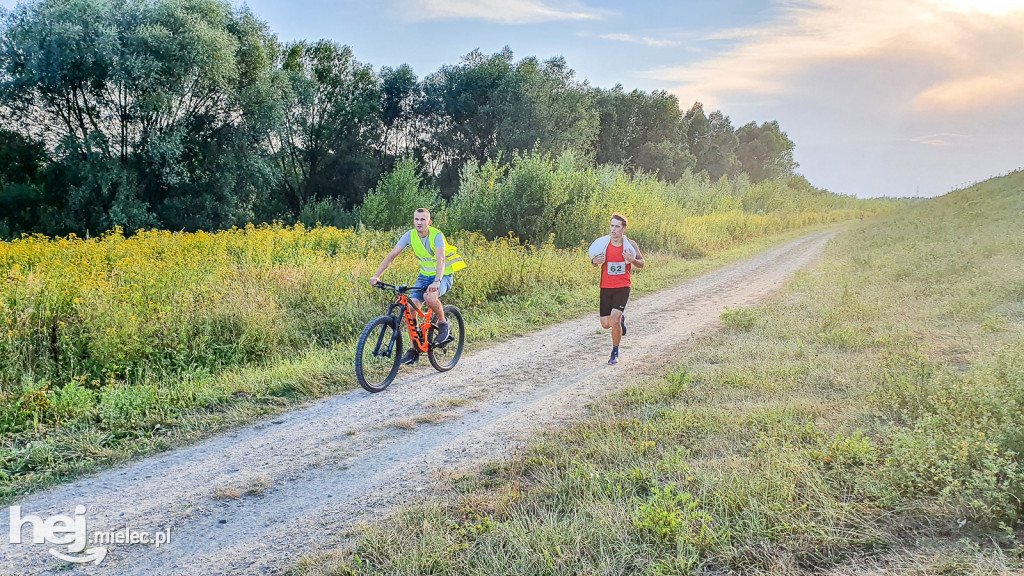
[{"x": 423, "y": 281}]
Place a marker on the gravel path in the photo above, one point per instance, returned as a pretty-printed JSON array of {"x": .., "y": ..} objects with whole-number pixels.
[{"x": 318, "y": 471}]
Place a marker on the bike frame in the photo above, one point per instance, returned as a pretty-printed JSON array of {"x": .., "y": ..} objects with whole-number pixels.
[{"x": 417, "y": 331}]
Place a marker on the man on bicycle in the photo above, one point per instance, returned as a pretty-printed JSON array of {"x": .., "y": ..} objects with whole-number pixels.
[
  {"x": 433, "y": 252},
  {"x": 616, "y": 255}
]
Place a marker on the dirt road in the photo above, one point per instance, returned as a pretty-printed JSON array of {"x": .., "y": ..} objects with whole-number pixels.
[{"x": 319, "y": 470}]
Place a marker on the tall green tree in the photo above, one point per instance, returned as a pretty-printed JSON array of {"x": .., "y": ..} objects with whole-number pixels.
[
  {"x": 544, "y": 109},
  {"x": 461, "y": 108},
  {"x": 152, "y": 108},
  {"x": 400, "y": 96},
  {"x": 765, "y": 151},
  {"x": 642, "y": 131},
  {"x": 488, "y": 106},
  {"x": 712, "y": 140},
  {"x": 329, "y": 142}
]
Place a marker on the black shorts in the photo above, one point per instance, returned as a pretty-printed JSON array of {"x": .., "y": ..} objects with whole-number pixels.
[{"x": 613, "y": 298}]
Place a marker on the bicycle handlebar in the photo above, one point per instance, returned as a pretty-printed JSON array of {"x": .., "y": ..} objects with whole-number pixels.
[{"x": 391, "y": 287}]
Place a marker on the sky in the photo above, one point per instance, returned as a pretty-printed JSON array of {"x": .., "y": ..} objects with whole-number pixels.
[{"x": 881, "y": 97}]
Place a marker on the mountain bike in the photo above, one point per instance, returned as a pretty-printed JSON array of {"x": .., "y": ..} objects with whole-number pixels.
[{"x": 380, "y": 345}]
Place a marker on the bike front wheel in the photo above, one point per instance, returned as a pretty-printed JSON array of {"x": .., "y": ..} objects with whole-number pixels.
[
  {"x": 445, "y": 355},
  {"x": 378, "y": 353}
]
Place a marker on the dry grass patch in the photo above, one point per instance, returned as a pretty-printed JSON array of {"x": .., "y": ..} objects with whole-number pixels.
[
  {"x": 433, "y": 418},
  {"x": 403, "y": 423},
  {"x": 257, "y": 486},
  {"x": 227, "y": 493}
]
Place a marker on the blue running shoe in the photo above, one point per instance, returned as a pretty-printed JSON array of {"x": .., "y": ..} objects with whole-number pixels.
[{"x": 615, "y": 355}]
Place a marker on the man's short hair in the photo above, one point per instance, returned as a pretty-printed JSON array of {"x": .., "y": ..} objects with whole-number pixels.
[
  {"x": 422, "y": 211},
  {"x": 620, "y": 218}
]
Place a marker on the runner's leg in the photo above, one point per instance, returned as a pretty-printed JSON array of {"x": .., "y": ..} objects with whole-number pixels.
[
  {"x": 616, "y": 326},
  {"x": 606, "y": 308}
]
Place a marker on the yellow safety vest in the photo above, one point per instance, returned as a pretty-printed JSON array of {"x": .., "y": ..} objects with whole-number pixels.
[{"x": 428, "y": 262}]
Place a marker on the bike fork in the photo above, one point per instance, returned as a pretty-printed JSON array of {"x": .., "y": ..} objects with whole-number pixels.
[{"x": 391, "y": 343}]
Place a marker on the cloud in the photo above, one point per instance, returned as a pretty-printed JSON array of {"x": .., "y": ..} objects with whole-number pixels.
[
  {"x": 647, "y": 40},
  {"x": 942, "y": 139},
  {"x": 656, "y": 42},
  {"x": 619, "y": 37},
  {"x": 960, "y": 93},
  {"x": 502, "y": 11},
  {"x": 973, "y": 49}
]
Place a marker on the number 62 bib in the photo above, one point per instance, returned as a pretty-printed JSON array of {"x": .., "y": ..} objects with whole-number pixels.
[{"x": 616, "y": 268}]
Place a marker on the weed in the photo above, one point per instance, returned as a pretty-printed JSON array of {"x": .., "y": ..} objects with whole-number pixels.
[{"x": 741, "y": 319}]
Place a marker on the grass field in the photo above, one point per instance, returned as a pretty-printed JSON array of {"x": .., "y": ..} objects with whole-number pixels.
[
  {"x": 870, "y": 418},
  {"x": 113, "y": 347}
]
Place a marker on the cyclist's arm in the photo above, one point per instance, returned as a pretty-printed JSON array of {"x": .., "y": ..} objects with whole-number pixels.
[
  {"x": 387, "y": 262},
  {"x": 439, "y": 271},
  {"x": 438, "y": 260}
]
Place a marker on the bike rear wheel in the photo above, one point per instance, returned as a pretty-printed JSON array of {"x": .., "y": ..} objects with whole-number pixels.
[
  {"x": 378, "y": 353},
  {"x": 443, "y": 357}
]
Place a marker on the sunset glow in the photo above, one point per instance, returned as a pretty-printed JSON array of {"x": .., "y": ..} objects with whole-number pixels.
[
  {"x": 993, "y": 7},
  {"x": 977, "y": 48}
]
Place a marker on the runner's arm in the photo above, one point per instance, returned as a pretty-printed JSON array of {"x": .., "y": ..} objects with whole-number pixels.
[{"x": 637, "y": 262}]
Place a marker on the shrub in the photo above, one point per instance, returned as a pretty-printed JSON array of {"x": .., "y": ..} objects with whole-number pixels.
[
  {"x": 398, "y": 194},
  {"x": 326, "y": 213},
  {"x": 73, "y": 401}
]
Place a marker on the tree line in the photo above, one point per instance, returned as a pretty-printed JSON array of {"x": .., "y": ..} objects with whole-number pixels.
[{"x": 191, "y": 114}]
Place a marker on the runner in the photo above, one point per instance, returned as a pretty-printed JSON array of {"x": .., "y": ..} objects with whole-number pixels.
[
  {"x": 433, "y": 252},
  {"x": 618, "y": 254}
]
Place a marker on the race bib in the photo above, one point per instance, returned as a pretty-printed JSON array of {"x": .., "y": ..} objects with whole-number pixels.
[{"x": 616, "y": 268}]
